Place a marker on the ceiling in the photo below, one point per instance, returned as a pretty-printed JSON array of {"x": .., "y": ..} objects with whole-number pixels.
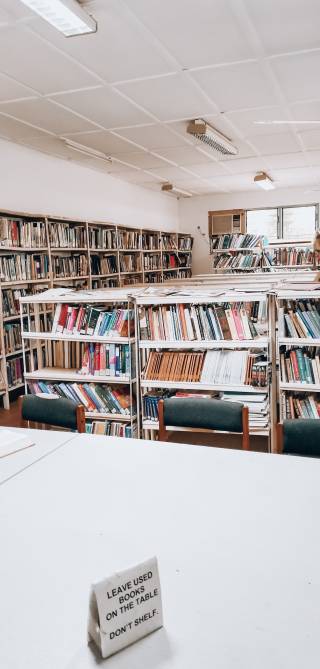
[{"x": 130, "y": 89}]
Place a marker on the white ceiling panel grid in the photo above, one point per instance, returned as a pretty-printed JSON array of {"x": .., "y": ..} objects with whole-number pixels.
[{"x": 130, "y": 89}]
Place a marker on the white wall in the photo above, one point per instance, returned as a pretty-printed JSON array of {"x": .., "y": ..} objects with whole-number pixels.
[
  {"x": 194, "y": 212},
  {"x": 33, "y": 182}
]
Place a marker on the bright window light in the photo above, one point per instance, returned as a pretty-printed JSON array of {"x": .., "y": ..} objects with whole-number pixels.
[{"x": 66, "y": 16}]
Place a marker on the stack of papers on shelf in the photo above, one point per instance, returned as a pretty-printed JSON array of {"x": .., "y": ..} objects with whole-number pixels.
[
  {"x": 12, "y": 442},
  {"x": 258, "y": 406}
]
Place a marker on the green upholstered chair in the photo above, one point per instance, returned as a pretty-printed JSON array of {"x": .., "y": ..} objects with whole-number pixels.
[
  {"x": 58, "y": 412},
  {"x": 299, "y": 437},
  {"x": 203, "y": 415}
]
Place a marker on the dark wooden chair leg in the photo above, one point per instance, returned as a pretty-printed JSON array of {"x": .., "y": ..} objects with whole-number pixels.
[
  {"x": 279, "y": 438},
  {"x": 163, "y": 433},
  {"x": 245, "y": 429},
  {"x": 81, "y": 419}
]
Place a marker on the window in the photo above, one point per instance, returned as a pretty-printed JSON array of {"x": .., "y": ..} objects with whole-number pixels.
[
  {"x": 299, "y": 222},
  {"x": 292, "y": 223},
  {"x": 263, "y": 222}
]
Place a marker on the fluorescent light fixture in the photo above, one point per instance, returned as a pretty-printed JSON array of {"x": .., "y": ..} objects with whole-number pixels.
[
  {"x": 212, "y": 137},
  {"x": 65, "y": 15},
  {"x": 92, "y": 153},
  {"x": 169, "y": 188},
  {"x": 264, "y": 181},
  {"x": 286, "y": 122}
]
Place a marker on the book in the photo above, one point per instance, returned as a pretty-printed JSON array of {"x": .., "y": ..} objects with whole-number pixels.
[
  {"x": 96, "y": 398},
  {"x": 67, "y": 234}
]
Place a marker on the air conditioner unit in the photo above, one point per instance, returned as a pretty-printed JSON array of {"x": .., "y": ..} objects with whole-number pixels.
[{"x": 221, "y": 222}]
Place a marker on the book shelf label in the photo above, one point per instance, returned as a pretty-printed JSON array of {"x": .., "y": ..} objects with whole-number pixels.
[{"x": 125, "y": 607}]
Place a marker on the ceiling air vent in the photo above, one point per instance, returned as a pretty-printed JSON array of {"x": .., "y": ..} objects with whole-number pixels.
[{"x": 212, "y": 137}]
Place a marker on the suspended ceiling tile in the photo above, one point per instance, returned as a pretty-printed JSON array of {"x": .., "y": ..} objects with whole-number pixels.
[
  {"x": 238, "y": 86},
  {"x": 298, "y": 75},
  {"x": 121, "y": 49},
  {"x": 11, "y": 89},
  {"x": 169, "y": 173},
  {"x": 200, "y": 33},
  {"x": 249, "y": 122},
  {"x": 184, "y": 156},
  {"x": 103, "y": 106},
  {"x": 310, "y": 138},
  {"x": 279, "y": 143},
  {"x": 208, "y": 169},
  {"x": 248, "y": 165},
  {"x": 33, "y": 62},
  {"x": 285, "y": 26},
  {"x": 287, "y": 160},
  {"x": 142, "y": 159},
  {"x": 17, "y": 131},
  {"x": 152, "y": 137},
  {"x": 168, "y": 98},
  {"x": 102, "y": 140},
  {"x": 46, "y": 115}
]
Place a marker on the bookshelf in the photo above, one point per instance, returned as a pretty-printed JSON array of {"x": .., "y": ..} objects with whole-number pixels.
[
  {"x": 298, "y": 349},
  {"x": 87, "y": 355},
  {"x": 195, "y": 327},
  {"x": 237, "y": 253},
  {"x": 38, "y": 252}
]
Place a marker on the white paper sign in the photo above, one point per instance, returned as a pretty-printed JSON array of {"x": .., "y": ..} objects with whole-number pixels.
[{"x": 125, "y": 607}]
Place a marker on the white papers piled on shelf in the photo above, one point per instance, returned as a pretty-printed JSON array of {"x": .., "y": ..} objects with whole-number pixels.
[{"x": 258, "y": 406}]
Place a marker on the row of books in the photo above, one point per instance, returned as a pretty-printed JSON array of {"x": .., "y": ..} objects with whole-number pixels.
[
  {"x": 185, "y": 243},
  {"x": 102, "y": 238},
  {"x": 300, "y": 365},
  {"x": 106, "y": 360},
  {"x": 26, "y": 234},
  {"x": 170, "y": 260},
  {"x": 235, "y": 241},
  {"x": 153, "y": 278},
  {"x": 184, "y": 260},
  {"x": 295, "y": 405},
  {"x": 152, "y": 261},
  {"x": 208, "y": 367},
  {"x": 105, "y": 282},
  {"x": 75, "y": 265},
  {"x": 95, "y": 397},
  {"x": 184, "y": 322},
  {"x": 169, "y": 242},
  {"x": 65, "y": 235},
  {"x": 93, "y": 321},
  {"x": 10, "y": 301},
  {"x": 12, "y": 337},
  {"x": 130, "y": 262},
  {"x": 290, "y": 256},
  {"x": 15, "y": 371},
  {"x": 109, "y": 428},
  {"x": 24, "y": 267},
  {"x": 150, "y": 241},
  {"x": 299, "y": 319},
  {"x": 128, "y": 239},
  {"x": 104, "y": 264},
  {"x": 240, "y": 261}
]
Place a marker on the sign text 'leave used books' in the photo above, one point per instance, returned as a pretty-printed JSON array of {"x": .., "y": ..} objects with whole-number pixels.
[{"x": 125, "y": 607}]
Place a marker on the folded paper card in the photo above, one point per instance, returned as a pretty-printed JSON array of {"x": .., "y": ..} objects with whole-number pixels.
[{"x": 125, "y": 607}]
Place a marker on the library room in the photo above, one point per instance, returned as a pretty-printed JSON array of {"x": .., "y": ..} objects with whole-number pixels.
[{"x": 159, "y": 334}]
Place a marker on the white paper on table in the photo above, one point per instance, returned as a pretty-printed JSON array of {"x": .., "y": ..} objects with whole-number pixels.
[
  {"x": 125, "y": 607},
  {"x": 12, "y": 442}
]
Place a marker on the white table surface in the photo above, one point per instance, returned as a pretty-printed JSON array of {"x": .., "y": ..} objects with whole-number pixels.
[
  {"x": 44, "y": 443},
  {"x": 237, "y": 536}
]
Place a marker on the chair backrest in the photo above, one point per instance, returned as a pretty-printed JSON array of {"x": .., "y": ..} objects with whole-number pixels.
[
  {"x": 203, "y": 414},
  {"x": 299, "y": 437},
  {"x": 59, "y": 412}
]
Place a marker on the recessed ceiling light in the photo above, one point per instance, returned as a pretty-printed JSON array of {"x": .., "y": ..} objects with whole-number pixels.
[
  {"x": 212, "y": 137},
  {"x": 65, "y": 15},
  {"x": 81, "y": 148},
  {"x": 169, "y": 188},
  {"x": 263, "y": 181}
]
